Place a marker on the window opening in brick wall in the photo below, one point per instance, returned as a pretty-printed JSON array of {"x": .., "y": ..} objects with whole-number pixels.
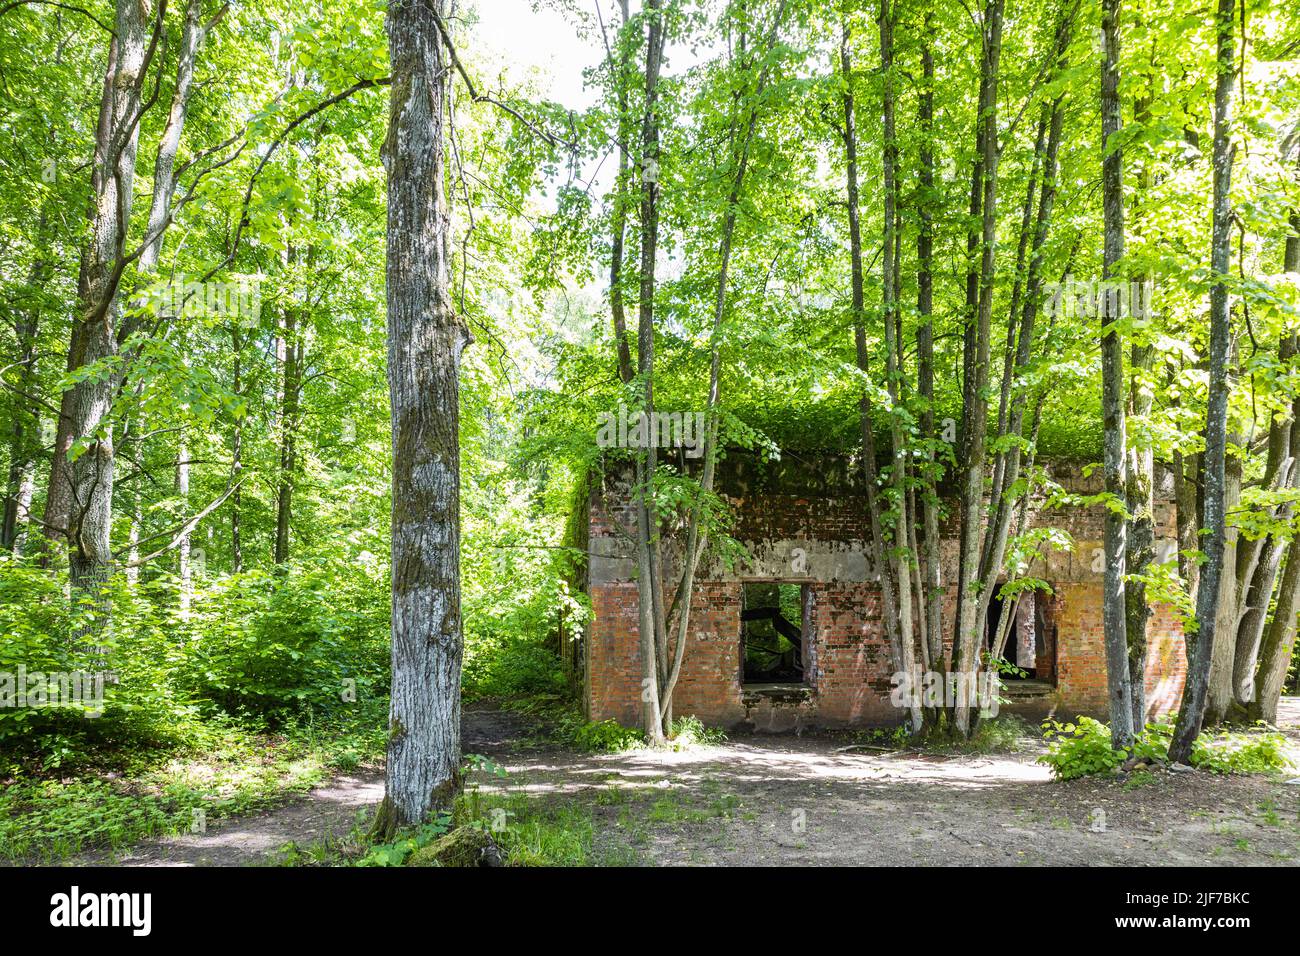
[
  {"x": 1029, "y": 640},
  {"x": 775, "y": 633}
]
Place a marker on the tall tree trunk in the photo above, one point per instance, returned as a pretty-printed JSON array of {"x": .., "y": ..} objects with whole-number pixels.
[
  {"x": 1213, "y": 517},
  {"x": 425, "y": 341},
  {"x": 697, "y": 531},
  {"x": 1119, "y": 690},
  {"x": 237, "y": 455},
  {"x": 291, "y": 390},
  {"x": 1218, "y": 694},
  {"x": 975, "y": 366},
  {"x": 879, "y": 550},
  {"x": 932, "y": 589},
  {"x": 1010, "y": 460},
  {"x": 80, "y": 489},
  {"x": 184, "y": 571},
  {"x": 1139, "y": 485},
  {"x": 904, "y": 641},
  {"x": 618, "y": 214},
  {"x": 1020, "y": 339},
  {"x": 1187, "y": 516},
  {"x": 648, "y": 583},
  {"x": 88, "y": 434}
]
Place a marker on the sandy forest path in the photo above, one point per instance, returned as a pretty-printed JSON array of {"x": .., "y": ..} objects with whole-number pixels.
[{"x": 763, "y": 800}]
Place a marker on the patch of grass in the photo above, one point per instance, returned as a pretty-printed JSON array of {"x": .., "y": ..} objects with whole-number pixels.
[
  {"x": 48, "y": 820},
  {"x": 1139, "y": 779},
  {"x": 566, "y": 725},
  {"x": 530, "y": 834},
  {"x": 619, "y": 855},
  {"x": 689, "y": 732},
  {"x": 329, "y": 851},
  {"x": 1270, "y": 814},
  {"x": 1005, "y": 733},
  {"x": 673, "y": 808},
  {"x": 607, "y": 736},
  {"x": 1259, "y": 751},
  {"x": 559, "y": 837},
  {"x": 223, "y": 769}
]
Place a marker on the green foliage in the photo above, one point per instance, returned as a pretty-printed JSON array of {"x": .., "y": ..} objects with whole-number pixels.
[
  {"x": 607, "y": 736},
  {"x": 273, "y": 644},
  {"x": 1005, "y": 733},
  {"x": 1080, "y": 748},
  {"x": 300, "y": 646},
  {"x": 270, "y": 649},
  {"x": 1262, "y": 751},
  {"x": 142, "y": 706},
  {"x": 223, "y": 771},
  {"x": 688, "y": 731},
  {"x": 1084, "y": 748},
  {"x": 398, "y": 851}
]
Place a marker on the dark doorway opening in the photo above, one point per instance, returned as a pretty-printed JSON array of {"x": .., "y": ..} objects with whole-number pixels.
[
  {"x": 1023, "y": 657},
  {"x": 774, "y": 633}
]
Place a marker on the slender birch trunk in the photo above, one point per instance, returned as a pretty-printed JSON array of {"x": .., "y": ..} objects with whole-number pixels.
[
  {"x": 1213, "y": 517},
  {"x": 1119, "y": 688}
]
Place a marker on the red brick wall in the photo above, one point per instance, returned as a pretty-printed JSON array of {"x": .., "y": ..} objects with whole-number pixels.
[
  {"x": 851, "y": 682},
  {"x": 851, "y": 679},
  {"x": 1081, "y": 656}
]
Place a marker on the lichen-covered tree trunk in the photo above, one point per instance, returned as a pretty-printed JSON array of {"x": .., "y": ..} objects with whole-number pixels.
[
  {"x": 1218, "y": 693},
  {"x": 1140, "y": 486},
  {"x": 879, "y": 560},
  {"x": 290, "y": 412},
  {"x": 649, "y": 591},
  {"x": 1213, "y": 517},
  {"x": 931, "y": 588},
  {"x": 84, "y": 458},
  {"x": 904, "y": 642},
  {"x": 1119, "y": 690},
  {"x": 975, "y": 365},
  {"x": 425, "y": 341}
]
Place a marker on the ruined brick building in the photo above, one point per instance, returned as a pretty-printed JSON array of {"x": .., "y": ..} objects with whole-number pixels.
[{"x": 809, "y": 577}]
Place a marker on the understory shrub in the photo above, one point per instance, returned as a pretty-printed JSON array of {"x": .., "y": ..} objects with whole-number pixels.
[
  {"x": 296, "y": 649},
  {"x": 607, "y": 736},
  {"x": 1236, "y": 752},
  {"x": 1084, "y": 747},
  {"x": 688, "y": 731},
  {"x": 273, "y": 644}
]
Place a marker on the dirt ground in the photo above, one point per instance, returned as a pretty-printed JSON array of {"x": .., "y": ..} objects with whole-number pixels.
[{"x": 786, "y": 800}]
